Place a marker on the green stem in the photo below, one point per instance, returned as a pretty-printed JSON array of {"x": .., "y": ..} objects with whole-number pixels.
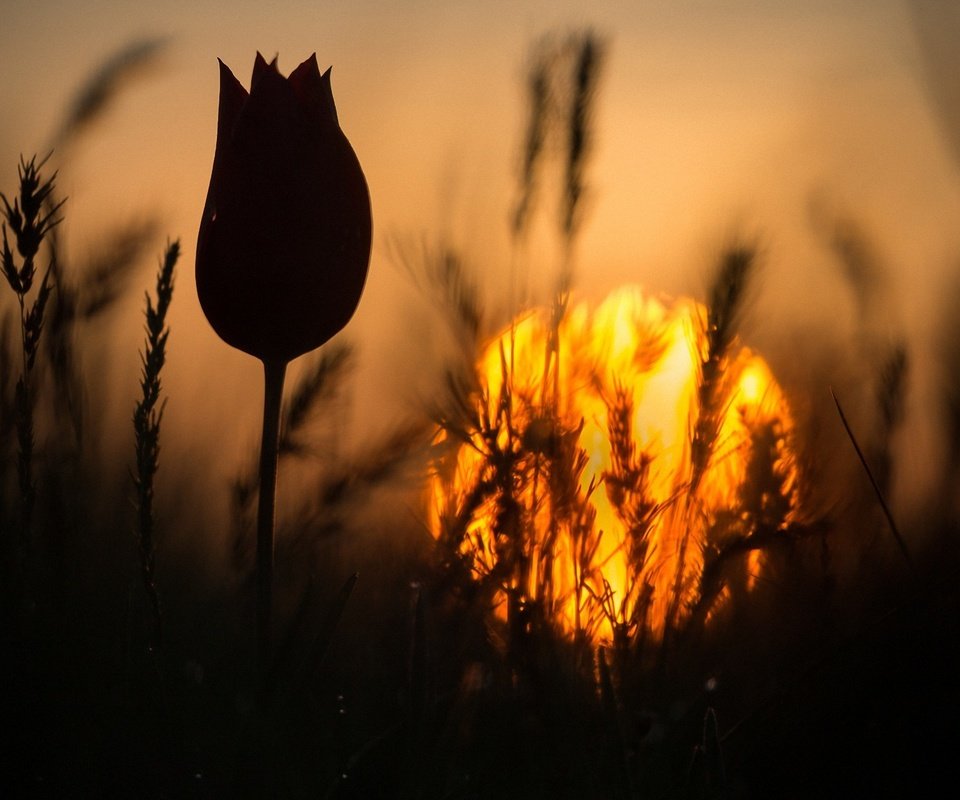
[{"x": 269, "y": 450}]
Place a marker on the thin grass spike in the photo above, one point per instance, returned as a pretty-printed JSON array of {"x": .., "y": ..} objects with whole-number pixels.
[
  {"x": 147, "y": 416},
  {"x": 873, "y": 482}
]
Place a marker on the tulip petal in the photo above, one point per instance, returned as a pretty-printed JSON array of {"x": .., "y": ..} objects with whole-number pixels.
[
  {"x": 232, "y": 98},
  {"x": 314, "y": 92},
  {"x": 261, "y": 68}
]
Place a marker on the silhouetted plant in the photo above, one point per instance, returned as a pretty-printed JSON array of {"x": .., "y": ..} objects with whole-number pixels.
[
  {"x": 147, "y": 416},
  {"x": 30, "y": 220},
  {"x": 283, "y": 249},
  {"x": 724, "y": 308}
]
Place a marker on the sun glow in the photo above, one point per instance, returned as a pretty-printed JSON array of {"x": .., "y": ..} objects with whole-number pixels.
[{"x": 604, "y": 466}]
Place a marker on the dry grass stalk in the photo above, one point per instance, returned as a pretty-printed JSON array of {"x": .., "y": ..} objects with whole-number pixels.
[
  {"x": 30, "y": 219},
  {"x": 588, "y": 56},
  {"x": 561, "y": 88},
  {"x": 539, "y": 103},
  {"x": 626, "y": 484},
  {"x": 147, "y": 416},
  {"x": 901, "y": 543},
  {"x": 724, "y": 306}
]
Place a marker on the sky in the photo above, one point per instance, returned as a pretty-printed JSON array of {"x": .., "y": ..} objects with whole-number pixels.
[{"x": 713, "y": 118}]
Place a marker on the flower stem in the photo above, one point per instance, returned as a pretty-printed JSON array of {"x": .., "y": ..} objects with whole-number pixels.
[{"x": 269, "y": 448}]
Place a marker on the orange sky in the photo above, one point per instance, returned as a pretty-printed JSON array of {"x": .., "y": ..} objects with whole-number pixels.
[{"x": 711, "y": 116}]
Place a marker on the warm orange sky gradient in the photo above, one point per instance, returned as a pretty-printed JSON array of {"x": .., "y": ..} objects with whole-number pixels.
[{"x": 712, "y": 118}]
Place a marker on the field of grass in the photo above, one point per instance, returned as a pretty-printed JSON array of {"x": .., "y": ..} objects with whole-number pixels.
[{"x": 129, "y": 667}]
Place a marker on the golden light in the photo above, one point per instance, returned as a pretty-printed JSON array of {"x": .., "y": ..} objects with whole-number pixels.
[{"x": 604, "y": 462}]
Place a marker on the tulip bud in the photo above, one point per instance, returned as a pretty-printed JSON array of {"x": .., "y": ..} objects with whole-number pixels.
[{"x": 284, "y": 242}]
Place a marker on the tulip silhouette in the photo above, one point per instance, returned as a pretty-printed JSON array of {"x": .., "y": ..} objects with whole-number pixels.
[
  {"x": 285, "y": 237},
  {"x": 283, "y": 248}
]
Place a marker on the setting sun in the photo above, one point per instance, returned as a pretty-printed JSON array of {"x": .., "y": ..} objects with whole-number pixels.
[{"x": 600, "y": 473}]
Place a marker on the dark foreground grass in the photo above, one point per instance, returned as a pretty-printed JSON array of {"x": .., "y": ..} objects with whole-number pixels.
[{"x": 407, "y": 693}]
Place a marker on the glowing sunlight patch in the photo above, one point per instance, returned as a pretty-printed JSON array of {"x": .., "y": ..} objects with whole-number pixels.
[{"x": 602, "y": 467}]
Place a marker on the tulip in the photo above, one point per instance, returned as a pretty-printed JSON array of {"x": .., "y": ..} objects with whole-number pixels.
[
  {"x": 283, "y": 249},
  {"x": 284, "y": 241}
]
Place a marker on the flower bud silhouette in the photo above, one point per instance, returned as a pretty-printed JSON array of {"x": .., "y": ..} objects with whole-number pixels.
[
  {"x": 284, "y": 241},
  {"x": 282, "y": 251}
]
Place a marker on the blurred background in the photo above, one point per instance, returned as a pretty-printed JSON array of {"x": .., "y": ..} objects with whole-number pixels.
[{"x": 713, "y": 119}]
